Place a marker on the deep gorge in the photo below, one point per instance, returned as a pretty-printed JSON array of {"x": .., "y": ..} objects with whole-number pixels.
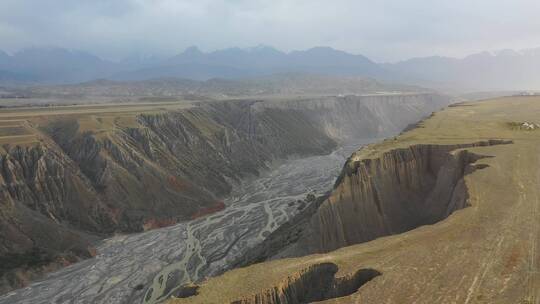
[{"x": 169, "y": 167}]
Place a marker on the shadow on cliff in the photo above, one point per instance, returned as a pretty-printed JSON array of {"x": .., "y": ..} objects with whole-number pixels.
[{"x": 312, "y": 284}]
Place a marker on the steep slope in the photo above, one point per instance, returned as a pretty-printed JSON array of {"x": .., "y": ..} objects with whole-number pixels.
[
  {"x": 401, "y": 190},
  {"x": 467, "y": 155},
  {"x": 110, "y": 168}
]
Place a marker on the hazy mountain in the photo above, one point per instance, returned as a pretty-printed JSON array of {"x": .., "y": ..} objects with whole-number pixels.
[
  {"x": 331, "y": 60},
  {"x": 253, "y": 58},
  {"x": 139, "y": 60},
  {"x": 503, "y": 70},
  {"x": 4, "y": 57},
  {"x": 195, "y": 71},
  {"x": 258, "y": 61},
  {"x": 56, "y": 65}
]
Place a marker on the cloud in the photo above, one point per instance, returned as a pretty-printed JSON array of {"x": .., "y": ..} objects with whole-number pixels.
[{"x": 384, "y": 29}]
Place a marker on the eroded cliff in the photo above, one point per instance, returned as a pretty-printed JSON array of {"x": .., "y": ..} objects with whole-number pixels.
[
  {"x": 398, "y": 191},
  {"x": 101, "y": 173}
]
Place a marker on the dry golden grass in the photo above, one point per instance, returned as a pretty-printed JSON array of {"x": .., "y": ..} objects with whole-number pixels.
[{"x": 19, "y": 126}]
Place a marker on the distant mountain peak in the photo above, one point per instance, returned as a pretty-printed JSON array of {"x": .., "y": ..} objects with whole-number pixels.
[
  {"x": 323, "y": 48},
  {"x": 192, "y": 50},
  {"x": 327, "y": 50},
  {"x": 508, "y": 53}
]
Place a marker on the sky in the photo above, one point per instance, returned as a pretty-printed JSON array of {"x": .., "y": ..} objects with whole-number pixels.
[{"x": 384, "y": 30}]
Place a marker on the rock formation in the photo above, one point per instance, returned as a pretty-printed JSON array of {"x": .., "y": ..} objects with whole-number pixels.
[{"x": 398, "y": 191}]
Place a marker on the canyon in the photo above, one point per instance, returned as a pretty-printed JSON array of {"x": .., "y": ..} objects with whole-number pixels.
[
  {"x": 223, "y": 170},
  {"x": 452, "y": 199},
  {"x": 269, "y": 152}
]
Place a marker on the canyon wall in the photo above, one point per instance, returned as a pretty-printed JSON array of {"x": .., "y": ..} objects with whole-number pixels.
[
  {"x": 395, "y": 192},
  {"x": 373, "y": 116},
  {"x": 79, "y": 183}
]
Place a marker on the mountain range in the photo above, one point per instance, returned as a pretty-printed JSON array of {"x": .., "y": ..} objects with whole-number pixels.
[{"x": 503, "y": 70}]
